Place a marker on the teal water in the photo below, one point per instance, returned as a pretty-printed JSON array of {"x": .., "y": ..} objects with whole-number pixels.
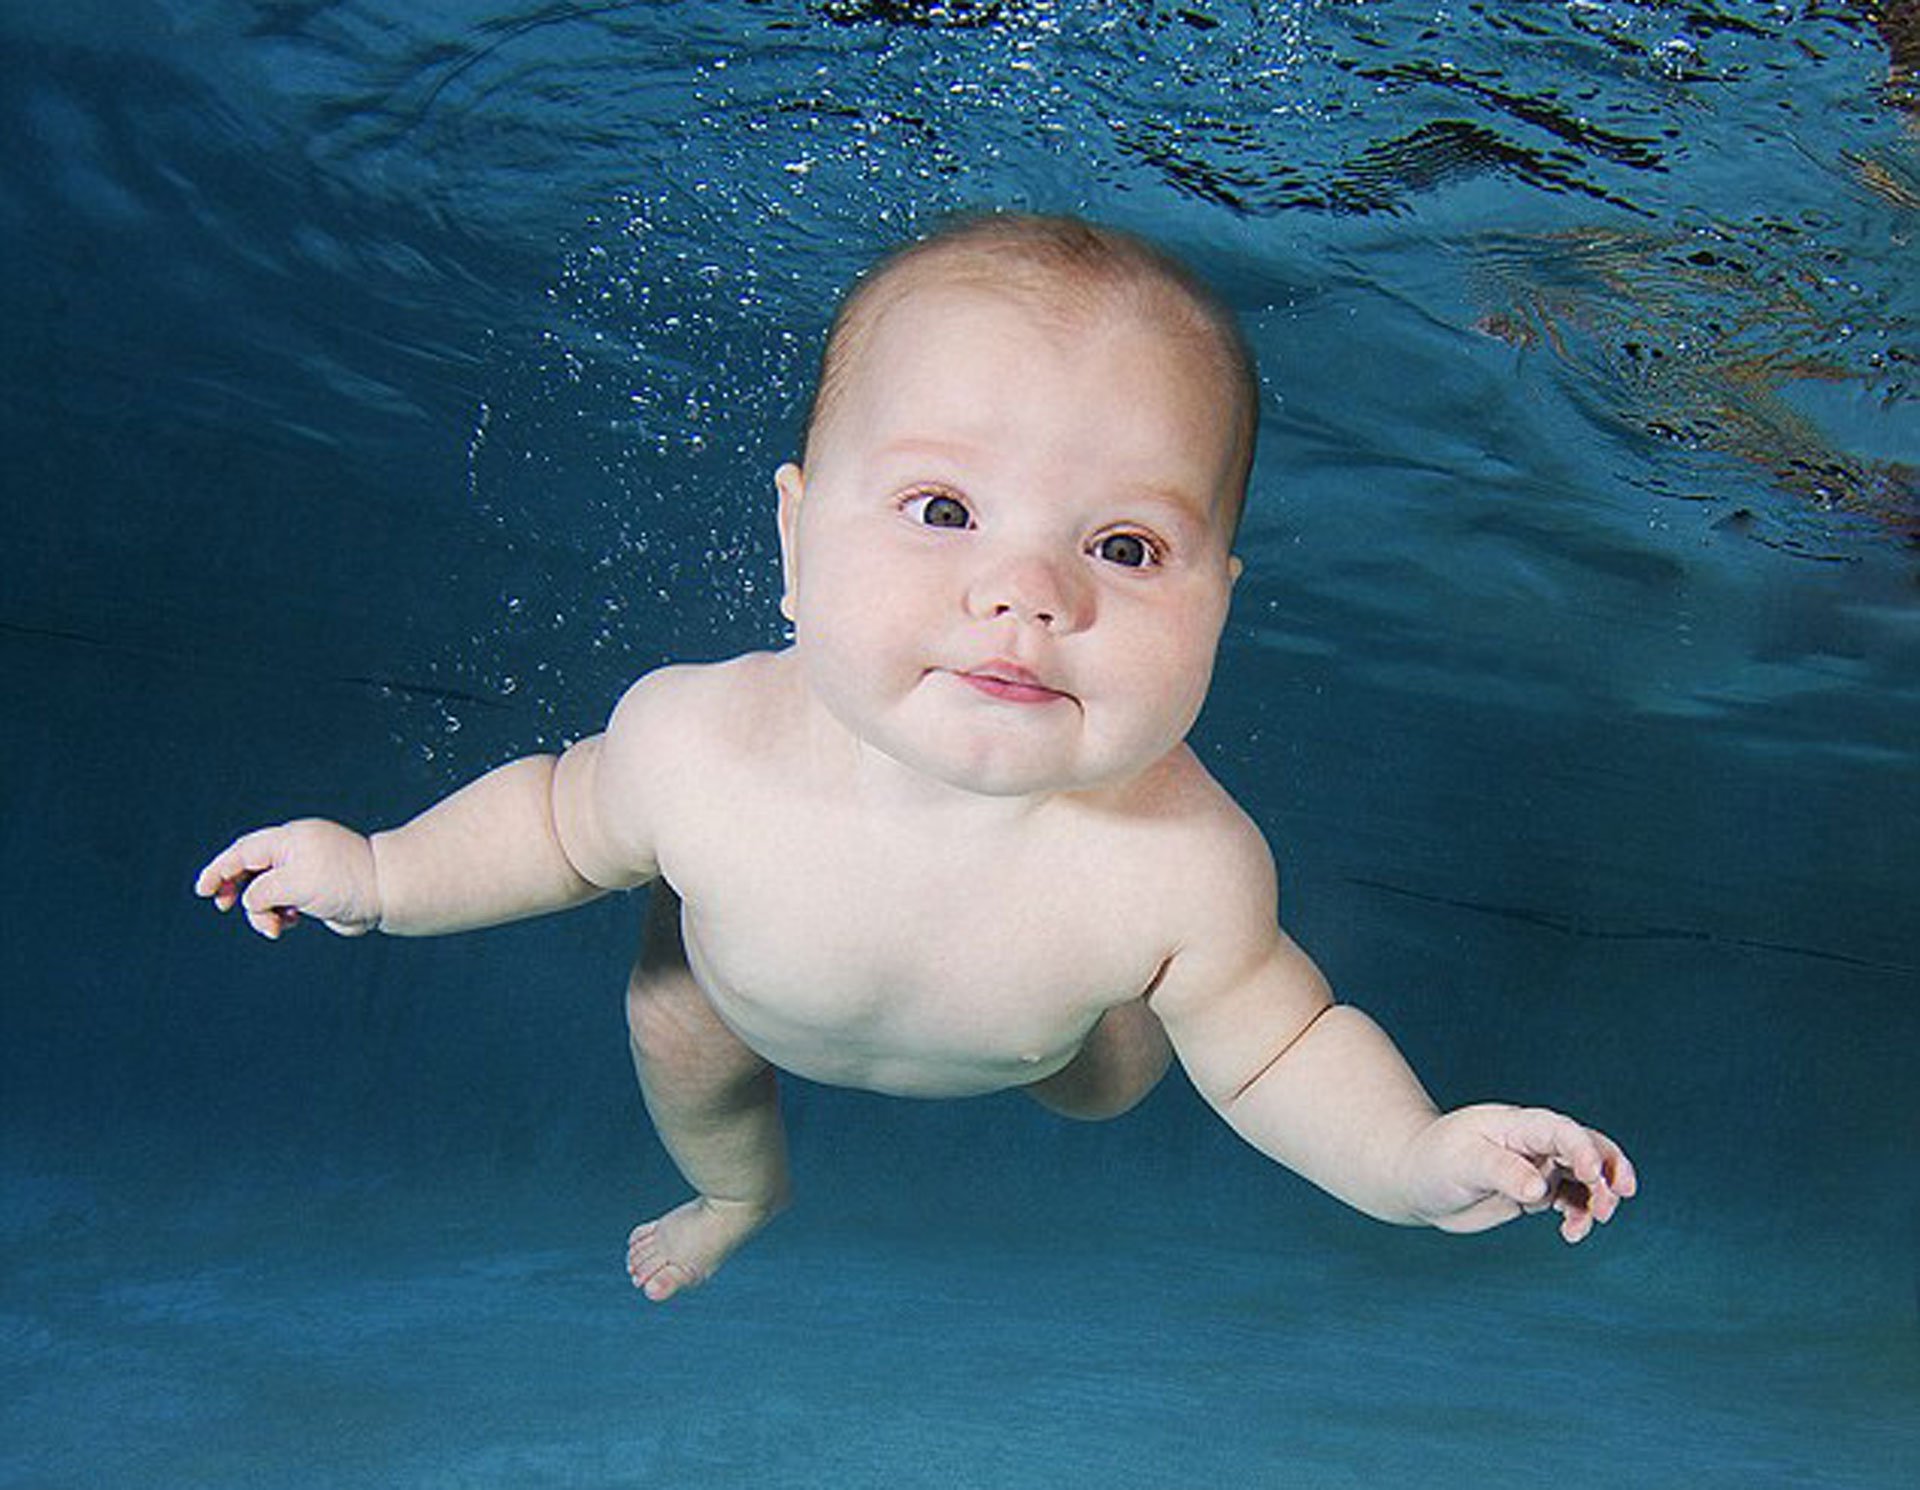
[{"x": 384, "y": 387}]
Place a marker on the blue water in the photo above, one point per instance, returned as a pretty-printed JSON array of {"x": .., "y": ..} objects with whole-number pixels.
[{"x": 385, "y": 385}]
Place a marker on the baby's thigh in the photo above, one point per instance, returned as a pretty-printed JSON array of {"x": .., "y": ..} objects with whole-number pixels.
[
  {"x": 669, "y": 1017},
  {"x": 1122, "y": 1060}
]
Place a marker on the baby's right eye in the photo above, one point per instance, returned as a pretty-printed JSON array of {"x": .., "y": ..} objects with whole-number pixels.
[{"x": 939, "y": 510}]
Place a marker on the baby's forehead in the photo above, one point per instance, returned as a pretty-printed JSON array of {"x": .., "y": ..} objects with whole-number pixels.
[
  {"x": 1050, "y": 296},
  {"x": 1071, "y": 284},
  {"x": 939, "y": 368},
  {"x": 931, "y": 301}
]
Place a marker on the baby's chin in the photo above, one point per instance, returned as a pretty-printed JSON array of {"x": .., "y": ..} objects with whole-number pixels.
[
  {"x": 924, "y": 741},
  {"x": 1010, "y": 776}
]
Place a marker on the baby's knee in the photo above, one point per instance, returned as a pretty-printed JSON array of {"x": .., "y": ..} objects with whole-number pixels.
[
  {"x": 661, "y": 987},
  {"x": 677, "y": 1037},
  {"x": 1122, "y": 1060},
  {"x": 656, "y": 1022}
]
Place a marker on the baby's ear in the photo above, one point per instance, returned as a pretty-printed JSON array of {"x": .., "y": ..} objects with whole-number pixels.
[{"x": 791, "y": 483}]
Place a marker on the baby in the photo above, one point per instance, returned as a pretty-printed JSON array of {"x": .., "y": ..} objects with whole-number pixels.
[{"x": 950, "y": 840}]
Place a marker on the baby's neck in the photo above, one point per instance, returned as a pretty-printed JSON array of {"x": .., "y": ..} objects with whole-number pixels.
[{"x": 881, "y": 784}]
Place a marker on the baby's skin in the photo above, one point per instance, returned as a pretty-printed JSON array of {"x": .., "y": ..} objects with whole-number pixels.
[{"x": 951, "y": 840}]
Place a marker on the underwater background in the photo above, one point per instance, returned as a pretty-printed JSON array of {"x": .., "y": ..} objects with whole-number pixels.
[{"x": 387, "y": 385}]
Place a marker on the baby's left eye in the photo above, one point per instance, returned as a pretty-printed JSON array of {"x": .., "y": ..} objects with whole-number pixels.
[
  {"x": 1128, "y": 550},
  {"x": 939, "y": 510}
]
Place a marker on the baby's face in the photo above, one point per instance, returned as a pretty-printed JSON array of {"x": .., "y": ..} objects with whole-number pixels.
[{"x": 1007, "y": 559}]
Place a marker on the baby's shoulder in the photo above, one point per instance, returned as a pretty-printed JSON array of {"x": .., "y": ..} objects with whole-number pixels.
[
  {"x": 1197, "y": 844},
  {"x": 1197, "y": 877},
  {"x": 692, "y": 710},
  {"x": 694, "y": 732},
  {"x": 1185, "y": 801},
  {"x": 672, "y": 747}
]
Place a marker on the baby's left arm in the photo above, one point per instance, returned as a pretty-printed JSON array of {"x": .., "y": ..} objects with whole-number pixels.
[{"x": 1321, "y": 1088}]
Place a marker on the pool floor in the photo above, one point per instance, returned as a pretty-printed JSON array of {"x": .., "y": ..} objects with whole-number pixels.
[{"x": 380, "y": 1335}]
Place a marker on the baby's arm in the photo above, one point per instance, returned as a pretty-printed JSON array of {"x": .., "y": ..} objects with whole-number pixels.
[
  {"x": 1321, "y": 1088},
  {"x": 538, "y": 834}
]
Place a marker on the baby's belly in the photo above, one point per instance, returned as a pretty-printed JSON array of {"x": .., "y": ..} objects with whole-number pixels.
[
  {"x": 902, "y": 1070},
  {"x": 909, "y": 1038}
]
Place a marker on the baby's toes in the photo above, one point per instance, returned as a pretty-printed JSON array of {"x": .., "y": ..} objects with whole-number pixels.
[{"x": 666, "y": 1280}]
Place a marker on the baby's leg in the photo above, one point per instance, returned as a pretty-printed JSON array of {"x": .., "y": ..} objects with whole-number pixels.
[
  {"x": 714, "y": 1105},
  {"x": 1123, "y": 1059}
]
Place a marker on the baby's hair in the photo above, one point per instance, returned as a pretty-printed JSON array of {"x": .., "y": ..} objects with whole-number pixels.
[{"x": 1062, "y": 266}]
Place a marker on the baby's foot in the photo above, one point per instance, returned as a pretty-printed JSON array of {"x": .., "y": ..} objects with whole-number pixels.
[{"x": 682, "y": 1248}]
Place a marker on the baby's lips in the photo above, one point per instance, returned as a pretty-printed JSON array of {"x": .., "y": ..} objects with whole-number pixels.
[
  {"x": 1004, "y": 671},
  {"x": 1008, "y": 680}
]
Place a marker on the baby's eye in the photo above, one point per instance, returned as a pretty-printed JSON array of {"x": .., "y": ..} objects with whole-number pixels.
[
  {"x": 1128, "y": 550},
  {"x": 938, "y": 510}
]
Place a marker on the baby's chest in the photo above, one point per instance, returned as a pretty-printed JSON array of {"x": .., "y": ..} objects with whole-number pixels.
[{"x": 910, "y": 948}]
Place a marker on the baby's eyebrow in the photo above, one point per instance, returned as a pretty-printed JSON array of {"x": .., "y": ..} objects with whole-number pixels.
[
  {"x": 1175, "y": 501},
  {"x": 925, "y": 447}
]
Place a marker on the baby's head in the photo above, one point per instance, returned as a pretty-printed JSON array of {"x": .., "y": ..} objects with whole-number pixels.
[
  {"x": 1063, "y": 270},
  {"x": 1008, "y": 556}
]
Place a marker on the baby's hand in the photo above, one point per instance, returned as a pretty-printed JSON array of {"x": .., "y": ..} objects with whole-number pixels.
[
  {"x": 307, "y": 868},
  {"x": 1481, "y": 1166}
]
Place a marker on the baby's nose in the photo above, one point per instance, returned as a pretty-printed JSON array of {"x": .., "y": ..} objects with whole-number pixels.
[{"x": 1032, "y": 589}]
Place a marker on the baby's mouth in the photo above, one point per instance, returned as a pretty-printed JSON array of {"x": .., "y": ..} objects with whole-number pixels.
[{"x": 1010, "y": 683}]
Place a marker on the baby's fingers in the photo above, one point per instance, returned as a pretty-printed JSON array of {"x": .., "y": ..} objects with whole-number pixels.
[
  {"x": 271, "y": 903},
  {"x": 228, "y": 872},
  {"x": 1560, "y": 1142},
  {"x": 1616, "y": 1169},
  {"x": 1520, "y": 1181},
  {"x": 1600, "y": 1177},
  {"x": 1582, "y": 1206},
  {"x": 1586, "y": 1174},
  {"x": 1491, "y": 1171},
  {"x": 1576, "y": 1221}
]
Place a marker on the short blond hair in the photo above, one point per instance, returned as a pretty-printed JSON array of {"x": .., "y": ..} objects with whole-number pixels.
[{"x": 1059, "y": 265}]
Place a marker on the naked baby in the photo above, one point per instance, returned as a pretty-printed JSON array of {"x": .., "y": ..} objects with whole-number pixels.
[{"x": 950, "y": 840}]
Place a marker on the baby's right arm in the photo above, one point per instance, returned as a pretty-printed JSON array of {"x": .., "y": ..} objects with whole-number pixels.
[{"x": 536, "y": 835}]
